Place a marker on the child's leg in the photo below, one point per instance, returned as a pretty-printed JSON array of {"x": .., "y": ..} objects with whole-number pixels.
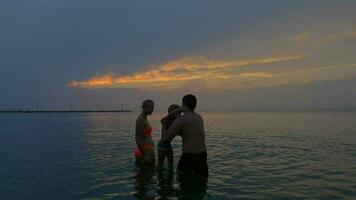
[
  {"x": 170, "y": 157},
  {"x": 161, "y": 158}
]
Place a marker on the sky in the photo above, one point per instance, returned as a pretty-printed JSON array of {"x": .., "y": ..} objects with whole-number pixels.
[{"x": 233, "y": 55}]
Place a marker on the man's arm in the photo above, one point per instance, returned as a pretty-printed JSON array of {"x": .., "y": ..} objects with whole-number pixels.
[{"x": 173, "y": 131}]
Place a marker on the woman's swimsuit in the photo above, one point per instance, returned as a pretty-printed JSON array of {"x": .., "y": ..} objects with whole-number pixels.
[
  {"x": 164, "y": 146},
  {"x": 147, "y": 132}
]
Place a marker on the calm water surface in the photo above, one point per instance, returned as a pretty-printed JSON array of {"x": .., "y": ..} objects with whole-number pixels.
[{"x": 256, "y": 155}]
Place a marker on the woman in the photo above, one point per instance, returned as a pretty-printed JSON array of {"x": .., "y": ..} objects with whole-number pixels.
[{"x": 144, "y": 152}]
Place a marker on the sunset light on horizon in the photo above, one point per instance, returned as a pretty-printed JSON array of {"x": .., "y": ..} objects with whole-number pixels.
[{"x": 117, "y": 53}]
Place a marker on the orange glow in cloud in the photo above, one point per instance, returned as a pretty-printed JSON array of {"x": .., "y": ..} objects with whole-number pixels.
[
  {"x": 351, "y": 33},
  {"x": 180, "y": 71},
  {"x": 102, "y": 81},
  {"x": 257, "y": 74}
]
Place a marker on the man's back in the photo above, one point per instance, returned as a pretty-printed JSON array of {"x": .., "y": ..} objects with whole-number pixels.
[{"x": 192, "y": 131}]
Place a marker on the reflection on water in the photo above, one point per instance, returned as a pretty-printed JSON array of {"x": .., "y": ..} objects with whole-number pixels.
[
  {"x": 292, "y": 155},
  {"x": 145, "y": 183},
  {"x": 165, "y": 187},
  {"x": 157, "y": 183},
  {"x": 191, "y": 187}
]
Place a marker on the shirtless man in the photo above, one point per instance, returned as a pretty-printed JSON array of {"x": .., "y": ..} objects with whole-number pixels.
[{"x": 191, "y": 127}]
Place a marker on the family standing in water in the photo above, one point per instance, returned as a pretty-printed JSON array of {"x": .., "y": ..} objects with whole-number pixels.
[{"x": 189, "y": 126}]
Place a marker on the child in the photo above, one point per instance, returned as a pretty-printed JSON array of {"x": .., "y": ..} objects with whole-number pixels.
[{"x": 164, "y": 149}]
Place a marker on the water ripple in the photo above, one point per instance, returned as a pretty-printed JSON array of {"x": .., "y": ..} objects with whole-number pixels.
[{"x": 250, "y": 156}]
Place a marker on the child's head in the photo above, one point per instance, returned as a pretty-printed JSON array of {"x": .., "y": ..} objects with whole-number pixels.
[{"x": 172, "y": 108}]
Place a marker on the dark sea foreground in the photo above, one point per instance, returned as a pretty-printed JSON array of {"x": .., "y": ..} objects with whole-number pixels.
[{"x": 251, "y": 155}]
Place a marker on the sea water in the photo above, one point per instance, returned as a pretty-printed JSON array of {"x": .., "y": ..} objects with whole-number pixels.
[{"x": 251, "y": 155}]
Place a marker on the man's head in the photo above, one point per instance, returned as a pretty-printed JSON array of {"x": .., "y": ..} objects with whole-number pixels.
[{"x": 189, "y": 101}]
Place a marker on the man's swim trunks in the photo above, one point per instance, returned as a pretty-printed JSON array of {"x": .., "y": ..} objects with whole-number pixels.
[{"x": 194, "y": 164}]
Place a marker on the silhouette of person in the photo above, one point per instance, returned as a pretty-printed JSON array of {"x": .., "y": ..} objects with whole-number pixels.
[
  {"x": 144, "y": 151},
  {"x": 190, "y": 127}
]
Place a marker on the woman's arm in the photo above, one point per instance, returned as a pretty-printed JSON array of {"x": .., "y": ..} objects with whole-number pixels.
[
  {"x": 139, "y": 136},
  {"x": 174, "y": 130},
  {"x": 170, "y": 115},
  {"x": 163, "y": 131}
]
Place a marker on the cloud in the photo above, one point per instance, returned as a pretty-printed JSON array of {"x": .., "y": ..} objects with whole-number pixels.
[
  {"x": 283, "y": 77},
  {"x": 351, "y": 33},
  {"x": 302, "y": 37},
  {"x": 94, "y": 82},
  {"x": 257, "y": 74},
  {"x": 175, "y": 73},
  {"x": 323, "y": 36},
  {"x": 319, "y": 73}
]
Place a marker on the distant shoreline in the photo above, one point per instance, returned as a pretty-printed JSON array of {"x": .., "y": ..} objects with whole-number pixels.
[
  {"x": 227, "y": 111},
  {"x": 61, "y": 111},
  {"x": 293, "y": 110}
]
